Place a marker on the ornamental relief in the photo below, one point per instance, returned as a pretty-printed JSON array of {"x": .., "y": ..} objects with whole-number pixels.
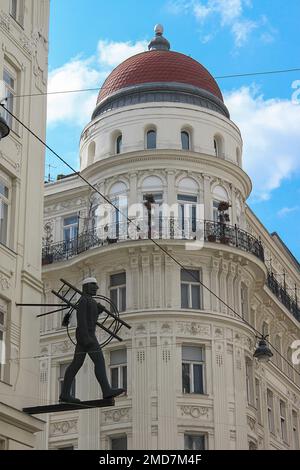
[
  {"x": 196, "y": 411},
  {"x": 63, "y": 427},
  {"x": 117, "y": 416},
  {"x": 62, "y": 347},
  {"x": 251, "y": 423},
  {"x": 4, "y": 282},
  {"x": 193, "y": 329}
]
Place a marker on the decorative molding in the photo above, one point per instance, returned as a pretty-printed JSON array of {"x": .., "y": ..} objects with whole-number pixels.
[
  {"x": 4, "y": 282},
  {"x": 195, "y": 411},
  {"x": 117, "y": 416},
  {"x": 193, "y": 329},
  {"x": 63, "y": 427},
  {"x": 62, "y": 348}
]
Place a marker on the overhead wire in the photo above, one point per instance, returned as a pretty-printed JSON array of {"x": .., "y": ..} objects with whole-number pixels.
[{"x": 190, "y": 273}]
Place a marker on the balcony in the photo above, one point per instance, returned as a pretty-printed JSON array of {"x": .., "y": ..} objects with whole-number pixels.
[
  {"x": 280, "y": 291},
  {"x": 161, "y": 228}
]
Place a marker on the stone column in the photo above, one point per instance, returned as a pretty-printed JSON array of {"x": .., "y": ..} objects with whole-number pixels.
[{"x": 207, "y": 197}]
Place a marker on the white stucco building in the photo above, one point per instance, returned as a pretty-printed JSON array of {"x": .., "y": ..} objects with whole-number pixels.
[
  {"x": 160, "y": 127},
  {"x": 23, "y": 71}
]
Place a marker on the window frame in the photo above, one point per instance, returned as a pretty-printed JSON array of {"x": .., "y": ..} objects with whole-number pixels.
[
  {"x": 115, "y": 438},
  {"x": 249, "y": 381},
  {"x": 3, "y": 331},
  {"x": 60, "y": 379},
  {"x": 257, "y": 389},
  {"x": 69, "y": 227},
  {"x": 6, "y": 201},
  {"x": 120, "y": 289},
  {"x": 191, "y": 284},
  {"x": 191, "y": 364},
  {"x": 184, "y": 133},
  {"x": 194, "y": 435},
  {"x": 270, "y": 411},
  {"x": 295, "y": 429},
  {"x": 118, "y": 144},
  {"x": 122, "y": 370},
  {"x": 148, "y": 132},
  {"x": 283, "y": 420},
  {"x": 18, "y": 15}
]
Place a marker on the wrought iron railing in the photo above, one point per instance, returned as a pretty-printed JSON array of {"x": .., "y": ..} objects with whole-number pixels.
[
  {"x": 168, "y": 228},
  {"x": 280, "y": 291}
]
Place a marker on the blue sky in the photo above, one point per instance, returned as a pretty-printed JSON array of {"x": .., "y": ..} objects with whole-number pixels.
[{"x": 89, "y": 38}]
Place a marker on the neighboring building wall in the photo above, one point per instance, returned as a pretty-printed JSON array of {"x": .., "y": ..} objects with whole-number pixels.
[{"x": 23, "y": 68}]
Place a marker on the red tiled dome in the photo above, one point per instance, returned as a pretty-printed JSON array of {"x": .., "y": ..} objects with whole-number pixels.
[{"x": 159, "y": 66}]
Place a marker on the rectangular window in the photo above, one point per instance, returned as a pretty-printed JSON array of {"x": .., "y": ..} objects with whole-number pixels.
[
  {"x": 17, "y": 11},
  {"x": 118, "y": 368},
  {"x": 258, "y": 400},
  {"x": 117, "y": 291},
  {"x": 118, "y": 443},
  {"x": 249, "y": 381},
  {"x": 62, "y": 370},
  {"x": 70, "y": 227},
  {"x": 10, "y": 90},
  {"x": 191, "y": 294},
  {"x": 187, "y": 207},
  {"x": 270, "y": 408},
  {"x": 3, "y": 321},
  {"x": 4, "y": 210},
  {"x": 295, "y": 430},
  {"x": 193, "y": 363},
  {"x": 283, "y": 426},
  {"x": 195, "y": 442}
]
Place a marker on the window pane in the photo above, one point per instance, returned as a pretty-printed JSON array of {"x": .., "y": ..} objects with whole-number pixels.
[
  {"x": 190, "y": 275},
  {"x": 124, "y": 372},
  {"x": 72, "y": 220},
  {"x": 194, "y": 442},
  {"x": 185, "y": 140},
  {"x": 195, "y": 297},
  {"x": 198, "y": 378},
  {"x": 118, "y": 279},
  {"x": 192, "y": 353},
  {"x": 119, "y": 443},
  {"x": 119, "y": 356},
  {"x": 186, "y": 197},
  {"x": 186, "y": 388},
  {"x": 151, "y": 140},
  {"x": 114, "y": 296},
  {"x": 3, "y": 222},
  {"x": 184, "y": 296},
  {"x": 114, "y": 373},
  {"x": 119, "y": 144},
  {"x": 122, "y": 306},
  {"x": 4, "y": 190}
]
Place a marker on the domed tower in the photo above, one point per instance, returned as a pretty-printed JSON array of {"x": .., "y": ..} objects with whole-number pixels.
[{"x": 162, "y": 149}]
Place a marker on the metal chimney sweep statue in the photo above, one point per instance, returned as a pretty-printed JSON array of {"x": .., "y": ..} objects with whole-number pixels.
[
  {"x": 88, "y": 311},
  {"x": 90, "y": 314}
]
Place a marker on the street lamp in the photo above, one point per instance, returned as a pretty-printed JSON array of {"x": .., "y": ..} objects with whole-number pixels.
[{"x": 263, "y": 353}]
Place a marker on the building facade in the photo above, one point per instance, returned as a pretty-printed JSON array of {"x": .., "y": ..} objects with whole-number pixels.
[
  {"x": 23, "y": 71},
  {"x": 161, "y": 132}
]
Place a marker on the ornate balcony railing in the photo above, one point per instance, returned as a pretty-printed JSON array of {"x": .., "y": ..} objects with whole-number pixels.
[
  {"x": 168, "y": 228},
  {"x": 280, "y": 291}
]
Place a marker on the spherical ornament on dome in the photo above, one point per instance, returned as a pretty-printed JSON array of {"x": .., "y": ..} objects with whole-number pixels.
[{"x": 159, "y": 29}]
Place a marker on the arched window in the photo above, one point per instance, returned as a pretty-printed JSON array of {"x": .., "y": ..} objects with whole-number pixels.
[
  {"x": 185, "y": 140},
  {"x": 119, "y": 144},
  {"x": 218, "y": 146},
  {"x": 151, "y": 139},
  {"x": 187, "y": 198}
]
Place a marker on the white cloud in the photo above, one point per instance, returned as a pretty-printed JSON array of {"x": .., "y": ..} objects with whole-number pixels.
[
  {"x": 113, "y": 53},
  {"x": 287, "y": 210},
  {"x": 77, "y": 74},
  {"x": 270, "y": 131},
  {"x": 229, "y": 13}
]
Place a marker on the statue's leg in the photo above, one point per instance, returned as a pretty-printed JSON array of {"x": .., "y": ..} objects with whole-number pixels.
[
  {"x": 96, "y": 355},
  {"x": 72, "y": 370}
]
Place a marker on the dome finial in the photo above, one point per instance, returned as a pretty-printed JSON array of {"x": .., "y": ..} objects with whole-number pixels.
[{"x": 159, "y": 42}]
